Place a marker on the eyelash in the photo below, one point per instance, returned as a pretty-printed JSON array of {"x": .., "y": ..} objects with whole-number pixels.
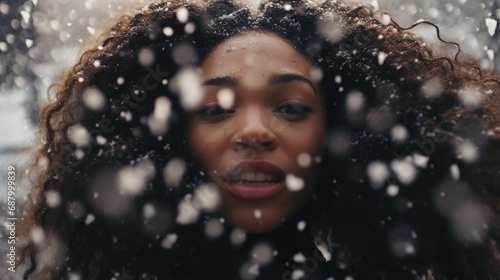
[
  {"x": 208, "y": 110},
  {"x": 291, "y": 108},
  {"x": 298, "y": 107}
]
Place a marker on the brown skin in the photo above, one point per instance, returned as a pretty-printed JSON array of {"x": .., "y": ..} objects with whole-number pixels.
[
  {"x": 259, "y": 113},
  {"x": 417, "y": 61}
]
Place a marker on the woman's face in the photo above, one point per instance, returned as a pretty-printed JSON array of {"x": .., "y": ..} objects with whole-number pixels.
[{"x": 260, "y": 129}]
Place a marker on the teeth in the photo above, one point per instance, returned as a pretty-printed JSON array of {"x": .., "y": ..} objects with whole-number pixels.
[
  {"x": 255, "y": 177},
  {"x": 259, "y": 176},
  {"x": 250, "y": 176}
]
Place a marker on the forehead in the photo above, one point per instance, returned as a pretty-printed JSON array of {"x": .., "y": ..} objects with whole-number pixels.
[
  {"x": 253, "y": 40},
  {"x": 263, "y": 52}
]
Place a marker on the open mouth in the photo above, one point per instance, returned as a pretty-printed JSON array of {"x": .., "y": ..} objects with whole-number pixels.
[{"x": 256, "y": 180}]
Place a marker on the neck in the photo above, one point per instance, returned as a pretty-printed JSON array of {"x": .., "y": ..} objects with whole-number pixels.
[
  {"x": 270, "y": 255},
  {"x": 294, "y": 235}
]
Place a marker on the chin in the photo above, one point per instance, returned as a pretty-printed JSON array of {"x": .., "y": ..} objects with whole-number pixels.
[
  {"x": 251, "y": 221},
  {"x": 260, "y": 218}
]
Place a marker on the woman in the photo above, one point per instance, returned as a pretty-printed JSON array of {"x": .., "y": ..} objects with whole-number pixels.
[{"x": 207, "y": 140}]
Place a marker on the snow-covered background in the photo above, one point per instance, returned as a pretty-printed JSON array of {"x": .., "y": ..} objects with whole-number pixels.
[{"x": 39, "y": 39}]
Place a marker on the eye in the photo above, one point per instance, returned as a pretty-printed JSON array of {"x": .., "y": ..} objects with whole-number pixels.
[
  {"x": 212, "y": 110},
  {"x": 293, "y": 108}
]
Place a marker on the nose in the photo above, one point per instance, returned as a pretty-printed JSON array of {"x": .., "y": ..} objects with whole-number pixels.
[{"x": 253, "y": 131}]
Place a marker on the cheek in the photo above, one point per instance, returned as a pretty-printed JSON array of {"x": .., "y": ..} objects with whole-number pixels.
[
  {"x": 198, "y": 144},
  {"x": 308, "y": 138},
  {"x": 205, "y": 143}
]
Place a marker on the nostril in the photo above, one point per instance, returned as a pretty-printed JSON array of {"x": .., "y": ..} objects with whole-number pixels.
[
  {"x": 267, "y": 143},
  {"x": 241, "y": 145}
]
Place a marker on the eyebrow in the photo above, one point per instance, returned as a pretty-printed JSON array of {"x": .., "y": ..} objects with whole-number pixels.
[
  {"x": 287, "y": 78},
  {"x": 273, "y": 80},
  {"x": 220, "y": 81}
]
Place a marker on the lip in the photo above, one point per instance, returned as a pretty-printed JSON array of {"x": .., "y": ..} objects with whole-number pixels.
[{"x": 257, "y": 191}]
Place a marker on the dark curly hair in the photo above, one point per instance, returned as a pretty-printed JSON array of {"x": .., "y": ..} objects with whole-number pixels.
[{"x": 429, "y": 125}]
